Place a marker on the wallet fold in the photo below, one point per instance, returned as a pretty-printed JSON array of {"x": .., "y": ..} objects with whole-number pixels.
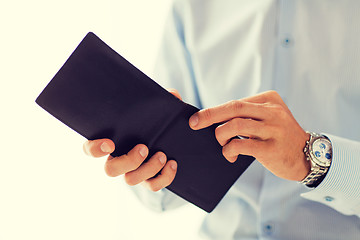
[{"x": 99, "y": 94}]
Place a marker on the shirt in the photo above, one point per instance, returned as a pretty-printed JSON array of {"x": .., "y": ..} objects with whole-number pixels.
[{"x": 308, "y": 51}]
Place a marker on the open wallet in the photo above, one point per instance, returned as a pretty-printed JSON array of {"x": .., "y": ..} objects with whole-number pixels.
[{"x": 99, "y": 94}]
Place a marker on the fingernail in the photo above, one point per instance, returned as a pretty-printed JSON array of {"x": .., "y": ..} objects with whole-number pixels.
[
  {"x": 143, "y": 152},
  {"x": 105, "y": 147},
  {"x": 162, "y": 159},
  {"x": 173, "y": 166},
  {"x": 194, "y": 120}
]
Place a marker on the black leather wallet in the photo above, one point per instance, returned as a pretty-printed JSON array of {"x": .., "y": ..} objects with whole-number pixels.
[{"x": 99, "y": 94}]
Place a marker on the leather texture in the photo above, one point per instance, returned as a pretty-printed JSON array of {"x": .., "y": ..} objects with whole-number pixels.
[{"x": 99, "y": 94}]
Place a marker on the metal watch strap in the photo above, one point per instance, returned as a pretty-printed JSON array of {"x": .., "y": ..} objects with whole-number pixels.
[
  {"x": 314, "y": 175},
  {"x": 317, "y": 173}
]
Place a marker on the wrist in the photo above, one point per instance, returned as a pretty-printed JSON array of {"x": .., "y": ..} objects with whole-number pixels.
[{"x": 305, "y": 166}]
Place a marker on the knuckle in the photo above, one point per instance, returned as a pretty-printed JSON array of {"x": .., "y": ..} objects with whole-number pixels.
[
  {"x": 278, "y": 110},
  {"x": 273, "y": 94},
  {"x": 207, "y": 114},
  {"x": 281, "y": 112},
  {"x": 132, "y": 162},
  {"x": 235, "y": 105}
]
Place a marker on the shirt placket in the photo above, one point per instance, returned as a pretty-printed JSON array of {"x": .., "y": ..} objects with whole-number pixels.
[
  {"x": 285, "y": 45},
  {"x": 270, "y": 207}
]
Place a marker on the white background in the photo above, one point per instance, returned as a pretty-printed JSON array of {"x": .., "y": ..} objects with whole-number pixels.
[{"x": 49, "y": 188}]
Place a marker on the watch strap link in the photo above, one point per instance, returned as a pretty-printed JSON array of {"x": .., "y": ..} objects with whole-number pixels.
[{"x": 317, "y": 174}]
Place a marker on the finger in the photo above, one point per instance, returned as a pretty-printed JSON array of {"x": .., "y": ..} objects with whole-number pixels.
[
  {"x": 126, "y": 163},
  {"x": 244, "y": 127},
  {"x": 99, "y": 147},
  {"x": 147, "y": 170},
  {"x": 164, "y": 179},
  {"x": 175, "y": 93},
  {"x": 226, "y": 112},
  {"x": 267, "y": 97},
  {"x": 250, "y": 147}
]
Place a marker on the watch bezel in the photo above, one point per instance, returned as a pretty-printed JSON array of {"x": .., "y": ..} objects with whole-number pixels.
[{"x": 314, "y": 158}]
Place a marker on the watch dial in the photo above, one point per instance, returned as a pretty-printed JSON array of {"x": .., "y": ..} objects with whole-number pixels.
[{"x": 322, "y": 150}]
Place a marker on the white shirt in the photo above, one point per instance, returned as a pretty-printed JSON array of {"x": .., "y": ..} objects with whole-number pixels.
[{"x": 309, "y": 52}]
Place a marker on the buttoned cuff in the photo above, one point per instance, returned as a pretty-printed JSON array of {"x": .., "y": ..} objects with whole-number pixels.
[{"x": 340, "y": 189}]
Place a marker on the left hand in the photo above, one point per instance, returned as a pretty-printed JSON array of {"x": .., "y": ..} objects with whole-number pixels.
[{"x": 275, "y": 138}]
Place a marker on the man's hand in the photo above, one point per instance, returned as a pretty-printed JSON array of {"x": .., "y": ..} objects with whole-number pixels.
[
  {"x": 275, "y": 138},
  {"x": 132, "y": 165}
]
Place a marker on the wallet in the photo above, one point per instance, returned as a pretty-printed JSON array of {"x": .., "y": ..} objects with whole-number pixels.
[{"x": 99, "y": 94}]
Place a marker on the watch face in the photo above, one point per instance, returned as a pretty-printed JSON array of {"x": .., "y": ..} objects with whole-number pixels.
[{"x": 322, "y": 152}]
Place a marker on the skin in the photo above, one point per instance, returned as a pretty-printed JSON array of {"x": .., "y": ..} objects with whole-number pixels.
[
  {"x": 131, "y": 164},
  {"x": 275, "y": 139}
]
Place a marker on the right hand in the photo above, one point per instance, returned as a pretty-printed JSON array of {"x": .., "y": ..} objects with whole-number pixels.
[{"x": 131, "y": 164}]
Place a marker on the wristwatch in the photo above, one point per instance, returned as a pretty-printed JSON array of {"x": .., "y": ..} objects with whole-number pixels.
[{"x": 318, "y": 150}]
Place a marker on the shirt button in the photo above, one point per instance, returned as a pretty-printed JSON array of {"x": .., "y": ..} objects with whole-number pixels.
[
  {"x": 268, "y": 228},
  {"x": 287, "y": 42},
  {"x": 329, "y": 199}
]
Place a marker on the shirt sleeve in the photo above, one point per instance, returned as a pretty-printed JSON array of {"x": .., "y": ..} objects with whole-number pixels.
[
  {"x": 173, "y": 69},
  {"x": 340, "y": 189}
]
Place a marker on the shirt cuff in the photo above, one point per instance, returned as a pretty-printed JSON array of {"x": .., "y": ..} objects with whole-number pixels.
[
  {"x": 340, "y": 189},
  {"x": 158, "y": 201}
]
